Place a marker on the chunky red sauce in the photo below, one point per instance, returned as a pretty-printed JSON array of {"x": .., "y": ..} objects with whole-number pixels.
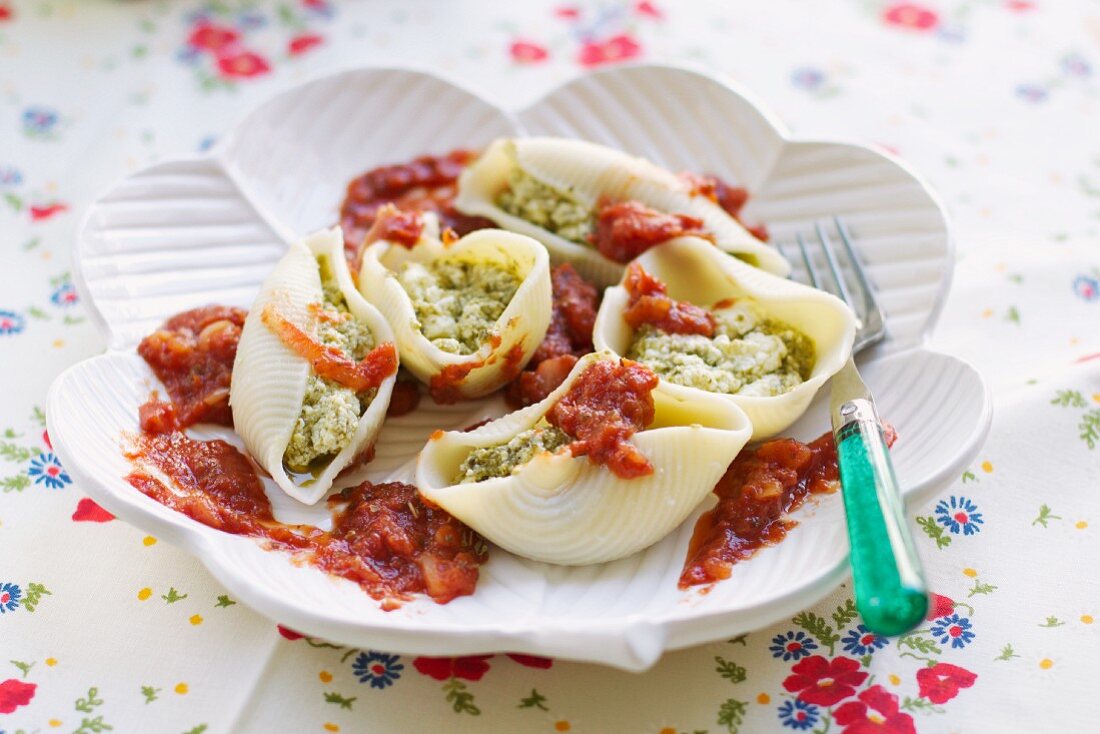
[
  {"x": 192, "y": 354},
  {"x": 626, "y": 229},
  {"x": 607, "y": 404},
  {"x": 393, "y": 225},
  {"x": 391, "y": 542},
  {"x": 384, "y": 537},
  {"x": 650, "y": 304},
  {"x": 759, "y": 489},
  {"x": 730, "y": 198},
  {"x": 569, "y": 336},
  {"x": 329, "y": 362},
  {"x": 426, "y": 183},
  {"x": 405, "y": 397}
]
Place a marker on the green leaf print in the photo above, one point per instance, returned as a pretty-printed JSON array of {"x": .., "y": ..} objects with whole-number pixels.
[
  {"x": 1090, "y": 427},
  {"x": 934, "y": 531},
  {"x": 1007, "y": 653},
  {"x": 980, "y": 588},
  {"x": 729, "y": 670},
  {"x": 969, "y": 476},
  {"x": 224, "y": 601},
  {"x": 172, "y": 596},
  {"x": 15, "y": 453},
  {"x": 535, "y": 700},
  {"x": 920, "y": 704},
  {"x": 819, "y": 628},
  {"x": 1013, "y": 315},
  {"x": 150, "y": 693},
  {"x": 461, "y": 700},
  {"x": 86, "y": 705},
  {"x": 731, "y": 714},
  {"x": 1045, "y": 515},
  {"x": 93, "y": 726},
  {"x": 1069, "y": 399},
  {"x": 38, "y": 416},
  {"x": 197, "y": 730},
  {"x": 345, "y": 703},
  {"x": 845, "y": 613},
  {"x": 35, "y": 592},
  {"x": 15, "y": 483},
  {"x": 25, "y": 667},
  {"x": 1052, "y": 622}
]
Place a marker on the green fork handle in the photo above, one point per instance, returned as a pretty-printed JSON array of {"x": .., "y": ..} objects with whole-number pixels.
[{"x": 889, "y": 588}]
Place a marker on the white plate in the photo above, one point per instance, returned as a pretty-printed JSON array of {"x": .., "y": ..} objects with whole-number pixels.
[{"x": 203, "y": 230}]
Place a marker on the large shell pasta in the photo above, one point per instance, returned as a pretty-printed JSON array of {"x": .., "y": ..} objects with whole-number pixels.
[
  {"x": 581, "y": 175},
  {"x": 277, "y": 399},
  {"x": 563, "y": 509},
  {"x": 694, "y": 272},
  {"x": 509, "y": 311}
]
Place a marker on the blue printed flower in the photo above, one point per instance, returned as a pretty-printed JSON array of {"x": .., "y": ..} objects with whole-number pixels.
[
  {"x": 958, "y": 514},
  {"x": 798, "y": 714},
  {"x": 189, "y": 54},
  {"x": 11, "y": 323},
  {"x": 951, "y": 34},
  {"x": 46, "y": 469},
  {"x": 64, "y": 295},
  {"x": 377, "y": 668},
  {"x": 808, "y": 78},
  {"x": 862, "y": 641},
  {"x": 792, "y": 646},
  {"x": 248, "y": 20},
  {"x": 10, "y": 594},
  {"x": 1033, "y": 93},
  {"x": 40, "y": 120},
  {"x": 1086, "y": 288},
  {"x": 954, "y": 629},
  {"x": 10, "y": 176},
  {"x": 1076, "y": 65},
  {"x": 207, "y": 143}
]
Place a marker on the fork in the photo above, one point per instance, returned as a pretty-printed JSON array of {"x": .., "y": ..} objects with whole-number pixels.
[{"x": 890, "y": 592}]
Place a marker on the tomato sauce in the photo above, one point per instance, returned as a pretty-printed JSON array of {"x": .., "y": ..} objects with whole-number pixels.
[
  {"x": 569, "y": 336},
  {"x": 626, "y": 229},
  {"x": 393, "y": 225},
  {"x": 192, "y": 354},
  {"x": 650, "y": 304},
  {"x": 730, "y": 198},
  {"x": 329, "y": 362},
  {"x": 405, "y": 397},
  {"x": 426, "y": 183},
  {"x": 384, "y": 537},
  {"x": 760, "y": 488},
  {"x": 607, "y": 404}
]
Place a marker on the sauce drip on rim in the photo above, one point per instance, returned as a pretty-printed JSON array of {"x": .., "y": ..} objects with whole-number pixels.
[
  {"x": 760, "y": 488},
  {"x": 626, "y": 229},
  {"x": 384, "y": 536}
]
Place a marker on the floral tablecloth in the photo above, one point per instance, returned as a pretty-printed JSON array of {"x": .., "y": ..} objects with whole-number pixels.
[{"x": 103, "y": 628}]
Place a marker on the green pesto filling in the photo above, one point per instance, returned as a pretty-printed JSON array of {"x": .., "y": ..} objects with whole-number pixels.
[
  {"x": 330, "y": 412},
  {"x": 457, "y": 302},
  {"x": 501, "y": 460},
  {"x": 749, "y": 354},
  {"x": 545, "y": 206}
]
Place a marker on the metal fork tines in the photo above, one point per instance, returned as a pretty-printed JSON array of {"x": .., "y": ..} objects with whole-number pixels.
[{"x": 849, "y": 283}]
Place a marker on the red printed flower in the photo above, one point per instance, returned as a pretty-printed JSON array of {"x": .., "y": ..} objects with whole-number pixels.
[
  {"x": 289, "y": 633},
  {"x": 1019, "y": 6},
  {"x": 46, "y": 440},
  {"x": 939, "y": 606},
  {"x": 616, "y": 48},
  {"x": 212, "y": 37},
  {"x": 876, "y": 712},
  {"x": 531, "y": 661},
  {"x": 526, "y": 52},
  {"x": 942, "y": 681},
  {"x": 304, "y": 42},
  {"x": 243, "y": 64},
  {"x": 644, "y": 7},
  {"x": 911, "y": 15},
  {"x": 6, "y": 12},
  {"x": 40, "y": 213},
  {"x": 15, "y": 693},
  {"x": 824, "y": 682},
  {"x": 89, "y": 511},
  {"x": 567, "y": 12},
  {"x": 471, "y": 667}
]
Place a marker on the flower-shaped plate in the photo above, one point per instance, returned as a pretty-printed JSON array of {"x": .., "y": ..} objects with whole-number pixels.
[{"x": 204, "y": 230}]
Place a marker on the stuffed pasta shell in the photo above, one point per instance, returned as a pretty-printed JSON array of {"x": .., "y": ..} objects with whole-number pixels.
[
  {"x": 597, "y": 207},
  {"x": 609, "y": 463},
  {"x": 314, "y": 370},
  {"x": 467, "y": 313},
  {"x": 710, "y": 325}
]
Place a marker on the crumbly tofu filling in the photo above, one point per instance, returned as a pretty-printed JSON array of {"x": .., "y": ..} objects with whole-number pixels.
[
  {"x": 545, "y": 206},
  {"x": 749, "y": 354},
  {"x": 457, "y": 302},
  {"x": 501, "y": 460},
  {"x": 330, "y": 412}
]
